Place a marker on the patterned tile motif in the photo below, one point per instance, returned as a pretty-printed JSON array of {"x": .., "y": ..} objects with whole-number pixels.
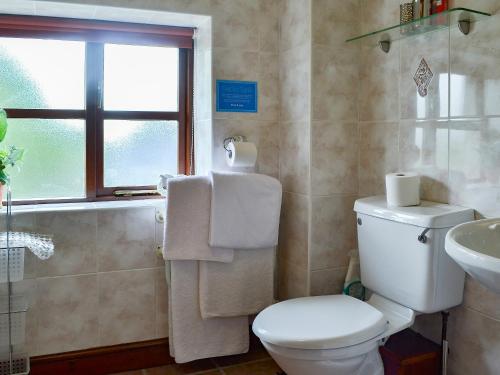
[{"x": 423, "y": 77}]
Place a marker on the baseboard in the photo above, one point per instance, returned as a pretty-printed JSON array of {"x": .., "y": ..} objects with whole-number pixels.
[{"x": 104, "y": 360}]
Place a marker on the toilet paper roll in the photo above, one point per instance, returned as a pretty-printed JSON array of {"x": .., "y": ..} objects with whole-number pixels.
[
  {"x": 403, "y": 189},
  {"x": 241, "y": 154}
]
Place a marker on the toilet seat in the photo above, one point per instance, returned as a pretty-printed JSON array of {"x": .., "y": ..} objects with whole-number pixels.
[{"x": 322, "y": 322}]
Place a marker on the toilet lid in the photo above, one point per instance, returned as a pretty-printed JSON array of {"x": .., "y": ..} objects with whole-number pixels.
[{"x": 323, "y": 322}]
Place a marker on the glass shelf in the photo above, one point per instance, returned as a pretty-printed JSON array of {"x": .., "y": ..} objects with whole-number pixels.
[{"x": 424, "y": 25}]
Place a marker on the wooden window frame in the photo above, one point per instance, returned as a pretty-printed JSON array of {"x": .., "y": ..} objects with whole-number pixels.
[{"x": 95, "y": 34}]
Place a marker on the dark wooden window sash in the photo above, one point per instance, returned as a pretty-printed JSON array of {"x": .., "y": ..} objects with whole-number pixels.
[{"x": 96, "y": 33}]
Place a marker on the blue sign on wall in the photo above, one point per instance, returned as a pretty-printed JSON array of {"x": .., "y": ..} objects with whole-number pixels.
[{"x": 236, "y": 96}]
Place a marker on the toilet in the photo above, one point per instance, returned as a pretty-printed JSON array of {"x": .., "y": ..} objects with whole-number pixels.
[{"x": 403, "y": 264}]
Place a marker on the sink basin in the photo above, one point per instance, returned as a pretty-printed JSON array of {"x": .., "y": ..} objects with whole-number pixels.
[{"x": 475, "y": 246}]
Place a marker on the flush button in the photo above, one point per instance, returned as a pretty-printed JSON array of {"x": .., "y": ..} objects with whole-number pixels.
[{"x": 360, "y": 222}]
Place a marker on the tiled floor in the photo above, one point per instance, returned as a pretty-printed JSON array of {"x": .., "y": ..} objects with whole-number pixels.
[{"x": 256, "y": 362}]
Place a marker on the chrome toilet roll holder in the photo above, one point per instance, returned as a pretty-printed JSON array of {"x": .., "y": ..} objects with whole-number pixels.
[{"x": 234, "y": 139}]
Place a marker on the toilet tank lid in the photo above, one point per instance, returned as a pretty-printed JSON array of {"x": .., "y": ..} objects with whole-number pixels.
[{"x": 426, "y": 215}]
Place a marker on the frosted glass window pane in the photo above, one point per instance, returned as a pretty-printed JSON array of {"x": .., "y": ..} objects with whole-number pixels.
[
  {"x": 38, "y": 73},
  {"x": 54, "y": 160},
  {"x": 137, "y": 152},
  {"x": 140, "y": 78}
]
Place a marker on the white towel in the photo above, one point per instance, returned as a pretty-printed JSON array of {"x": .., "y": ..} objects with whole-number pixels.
[
  {"x": 243, "y": 287},
  {"x": 192, "y": 337},
  {"x": 188, "y": 221},
  {"x": 245, "y": 210}
]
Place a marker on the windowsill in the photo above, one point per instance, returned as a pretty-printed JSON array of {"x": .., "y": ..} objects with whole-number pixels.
[{"x": 85, "y": 206}]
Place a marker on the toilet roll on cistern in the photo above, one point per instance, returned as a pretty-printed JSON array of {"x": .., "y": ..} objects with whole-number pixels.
[
  {"x": 241, "y": 154},
  {"x": 403, "y": 189}
]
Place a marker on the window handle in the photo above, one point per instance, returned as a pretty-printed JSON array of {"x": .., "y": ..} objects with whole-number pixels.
[{"x": 99, "y": 96}]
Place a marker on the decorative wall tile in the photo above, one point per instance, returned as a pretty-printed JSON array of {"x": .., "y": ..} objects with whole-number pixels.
[{"x": 433, "y": 49}]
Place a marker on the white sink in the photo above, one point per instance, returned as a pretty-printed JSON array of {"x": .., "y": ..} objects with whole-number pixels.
[{"x": 475, "y": 246}]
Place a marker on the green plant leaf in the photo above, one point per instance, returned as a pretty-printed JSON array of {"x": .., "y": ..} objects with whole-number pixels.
[
  {"x": 3, "y": 124},
  {"x": 3, "y": 177}
]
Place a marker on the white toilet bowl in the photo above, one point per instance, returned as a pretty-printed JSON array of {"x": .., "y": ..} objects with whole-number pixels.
[
  {"x": 402, "y": 258},
  {"x": 330, "y": 335}
]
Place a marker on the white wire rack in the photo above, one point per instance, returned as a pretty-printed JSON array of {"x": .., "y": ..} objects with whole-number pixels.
[{"x": 13, "y": 307}]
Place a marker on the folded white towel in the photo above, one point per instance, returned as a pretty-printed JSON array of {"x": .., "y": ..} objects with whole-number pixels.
[
  {"x": 188, "y": 221},
  {"x": 192, "y": 337},
  {"x": 243, "y": 287},
  {"x": 245, "y": 210}
]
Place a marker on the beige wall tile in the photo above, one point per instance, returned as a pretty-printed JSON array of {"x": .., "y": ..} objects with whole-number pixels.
[
  {"x": 474, "y": 342},
  {"x": 269, "y": 25},
  {"x": 327, "y": 281},
  {"x": 235, "y": 64},
  {"x": 161, "y": 303},
  {"x": 333, "y": 231},
  {"x": 335, "y": 21},
  {"x": 295, "y": 76},
  {"x": 292, "y": 280},
  {"x": 234, "y": 24},
  {"x": 293, "y": 238},
  {"x": 477, "y": 297},
  {"x": 264, "y": 134},
  {"x": 423, "y": 148},
  {"x": 474, "y": 164},
  {"x": 335, "y": 83},
  {"x": 295, "y": 24},
  {"x": 378, "y": 14},
  {"x": 125, "y": 239},
  {"x": 379, "y": 95},
  {"x": 127, "y": 306},
  {"x": 378, "y": 149},
  {"x": 67, "y": 313},
  {"x": 334, "y": 158},
  {"x": 294, "y": 157},
  {"x": 23, "y": 222},
  {"x": 75, "y": 240}
]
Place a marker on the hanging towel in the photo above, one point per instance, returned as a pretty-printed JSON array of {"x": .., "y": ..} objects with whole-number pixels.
[
  {"x": 192, "y": 337},
  {"x": 188, "y": 221},
  {"x": 243, "y": 287},
  {"x": 245, "y": 210}
]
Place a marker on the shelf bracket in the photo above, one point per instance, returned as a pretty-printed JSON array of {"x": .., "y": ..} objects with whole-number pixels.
[
  {"x": 464, "y": 26},
  {"x": 385, "y": 45}
]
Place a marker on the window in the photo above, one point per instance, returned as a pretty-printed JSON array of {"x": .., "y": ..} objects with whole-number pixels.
[{"x": 98, "y": 106}]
